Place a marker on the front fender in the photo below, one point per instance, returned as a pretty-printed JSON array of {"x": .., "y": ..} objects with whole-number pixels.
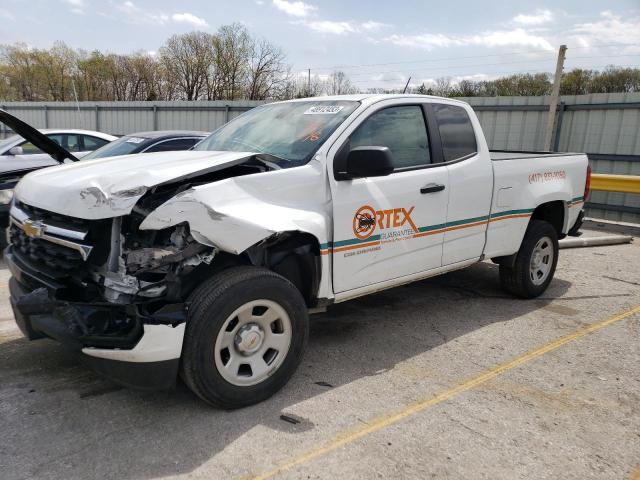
[{"x": 228, "y": 217}]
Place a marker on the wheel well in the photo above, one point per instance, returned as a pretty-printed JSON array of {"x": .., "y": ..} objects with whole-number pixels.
[
  {"x": 295, "y": 256},
  {"x": 553, "y": 213}
]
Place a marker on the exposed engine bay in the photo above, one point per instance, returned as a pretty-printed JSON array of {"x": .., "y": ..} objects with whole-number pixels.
[{"x": 106, "y": 277}]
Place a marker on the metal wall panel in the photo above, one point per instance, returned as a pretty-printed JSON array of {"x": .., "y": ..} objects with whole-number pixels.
[{"x": 119, "y": 118}]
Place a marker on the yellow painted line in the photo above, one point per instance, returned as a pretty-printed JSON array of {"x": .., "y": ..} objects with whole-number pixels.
[
  {"x": 635, "y": 475},
  {"x": 417, "y": 407}
]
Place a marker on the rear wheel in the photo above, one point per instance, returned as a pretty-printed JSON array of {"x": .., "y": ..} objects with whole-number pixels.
[
  {"x": 245, "y": 337},
  {"x": 535, "y": 262}
]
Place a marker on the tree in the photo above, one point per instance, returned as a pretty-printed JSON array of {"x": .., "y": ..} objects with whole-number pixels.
[
  {"x": 92, "y": 75},
  {"x": 442, "y": 87},
  {"x": 339, "y": 84},
  {"x": 466, "y": 88},
  {"x": 266, "y": 69},
  {"x": 576, "y": 82},
  {"x": 231, "y": 64},
  {"x": 187, "y": 59},
  {"x": 616, "y": 80},
  {"x": 233, "y": 50},
  {"x": 421, "y": 90},
  {"x": 22, "y": 71}
]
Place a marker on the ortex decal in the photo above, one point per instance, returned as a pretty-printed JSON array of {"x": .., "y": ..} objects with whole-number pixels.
[{"x": 366, "y": 219}]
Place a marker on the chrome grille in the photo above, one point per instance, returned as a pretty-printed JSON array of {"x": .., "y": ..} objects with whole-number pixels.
[
  {"x": 43, "y": 239},
  {"x": 41, "y": 252}
]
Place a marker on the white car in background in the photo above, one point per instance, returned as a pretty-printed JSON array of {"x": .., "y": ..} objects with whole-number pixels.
[{"x": 18, "y": 154}]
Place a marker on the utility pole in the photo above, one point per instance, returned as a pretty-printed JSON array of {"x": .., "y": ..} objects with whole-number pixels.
[
  {"x": 309, "y": 83},
  {"x": 553, "y": 101}
]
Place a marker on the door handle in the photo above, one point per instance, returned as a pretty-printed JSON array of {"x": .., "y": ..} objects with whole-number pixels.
[{"x": 432, "y": 188}]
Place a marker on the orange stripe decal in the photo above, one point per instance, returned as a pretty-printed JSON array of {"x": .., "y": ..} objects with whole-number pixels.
[
  {"x": 507, "y": 217},
  {"x": 356, "y": 246}
]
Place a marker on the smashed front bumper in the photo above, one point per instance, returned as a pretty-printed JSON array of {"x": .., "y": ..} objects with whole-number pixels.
[{"x": 145, "y": 355}]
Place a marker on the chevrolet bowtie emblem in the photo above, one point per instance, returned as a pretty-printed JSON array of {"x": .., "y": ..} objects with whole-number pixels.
[{"x": 33, "y": 229}]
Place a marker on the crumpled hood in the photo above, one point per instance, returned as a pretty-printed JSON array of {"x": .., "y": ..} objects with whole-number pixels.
[{"x": 110, "y": 187}]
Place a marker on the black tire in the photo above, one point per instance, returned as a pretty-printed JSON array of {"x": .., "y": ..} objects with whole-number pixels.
[
  {"x": 211, "y": 304},
  {"x": 517, "y": 279}
]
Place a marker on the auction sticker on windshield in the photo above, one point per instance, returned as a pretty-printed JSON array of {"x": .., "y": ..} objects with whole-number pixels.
[{"x": 324, "y": 110}]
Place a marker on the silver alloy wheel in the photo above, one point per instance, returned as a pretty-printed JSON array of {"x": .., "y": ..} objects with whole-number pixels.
[
  {"x": 253, "y": 342},
  {"x": 541, "y": 261}
]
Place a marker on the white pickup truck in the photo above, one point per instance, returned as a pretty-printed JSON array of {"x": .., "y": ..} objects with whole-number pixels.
[{"x": 207, "y": 263}]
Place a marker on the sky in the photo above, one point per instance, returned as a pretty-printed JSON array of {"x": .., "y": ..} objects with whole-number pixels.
[{"x": 377, "y": 43}]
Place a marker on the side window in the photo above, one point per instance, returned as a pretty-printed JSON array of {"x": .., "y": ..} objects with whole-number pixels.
[
  {"x": 29, "y": 148},
  {"x": 173, "y": 145},
  {"x": 92, "y": 143},
  {"x": 402, "y": 130},
  {"x": 58, "y": 138},
  {"x": 456, "y": 131},
  {"x": 72, "y": 143}
]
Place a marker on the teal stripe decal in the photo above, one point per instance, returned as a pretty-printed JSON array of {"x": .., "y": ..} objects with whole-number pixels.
[
  {"x": 467, "y": 220},
  {"x": 512, "y": 212},
  {"x": 353, "y": 241}
]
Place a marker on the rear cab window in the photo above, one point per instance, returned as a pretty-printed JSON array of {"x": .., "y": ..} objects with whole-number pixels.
[{"x": 457, "y": 135}]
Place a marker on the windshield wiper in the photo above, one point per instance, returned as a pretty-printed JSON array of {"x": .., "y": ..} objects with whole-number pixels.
[{"x": 268, "y": 160}]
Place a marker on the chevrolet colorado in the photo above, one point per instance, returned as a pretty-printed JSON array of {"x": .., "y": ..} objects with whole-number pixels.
[{"x": 206, "y": 263}]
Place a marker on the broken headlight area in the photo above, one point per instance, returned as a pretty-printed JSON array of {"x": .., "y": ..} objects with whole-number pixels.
[
  {"x": 108, "y": 260},
  {"x": 148, "y": 264}
]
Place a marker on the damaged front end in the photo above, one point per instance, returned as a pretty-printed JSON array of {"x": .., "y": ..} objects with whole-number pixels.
[{"x": 106, "y": 288}]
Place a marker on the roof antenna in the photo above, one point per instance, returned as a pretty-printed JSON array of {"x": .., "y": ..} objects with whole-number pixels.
[{"x": 406, "y": 86}]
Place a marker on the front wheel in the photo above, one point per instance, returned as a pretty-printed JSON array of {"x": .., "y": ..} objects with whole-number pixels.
[
  {"x": 535, "y": 262},
  {"x": 245, "y": 336}
]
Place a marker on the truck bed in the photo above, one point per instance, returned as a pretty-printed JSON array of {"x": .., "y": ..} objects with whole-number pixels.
[{"x": 497, "y": 155}]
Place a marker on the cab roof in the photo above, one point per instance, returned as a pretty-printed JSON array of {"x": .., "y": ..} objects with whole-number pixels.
[{"x": 369, "y": 98}]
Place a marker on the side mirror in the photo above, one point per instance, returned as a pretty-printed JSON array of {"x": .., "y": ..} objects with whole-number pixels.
[
  {"x": 369, "y": 162},
  {"x": 15, "y": 151}
]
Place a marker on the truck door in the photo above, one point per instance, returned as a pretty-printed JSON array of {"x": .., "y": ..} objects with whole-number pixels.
[
  {"x": 388, "y": 227},
  {"x": 470, "y": 182}
]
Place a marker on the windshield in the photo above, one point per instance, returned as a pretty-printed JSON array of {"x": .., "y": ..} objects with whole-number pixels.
[
  {"x": 290, "y": 131},
  {"x": 122, "y": 146}
]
